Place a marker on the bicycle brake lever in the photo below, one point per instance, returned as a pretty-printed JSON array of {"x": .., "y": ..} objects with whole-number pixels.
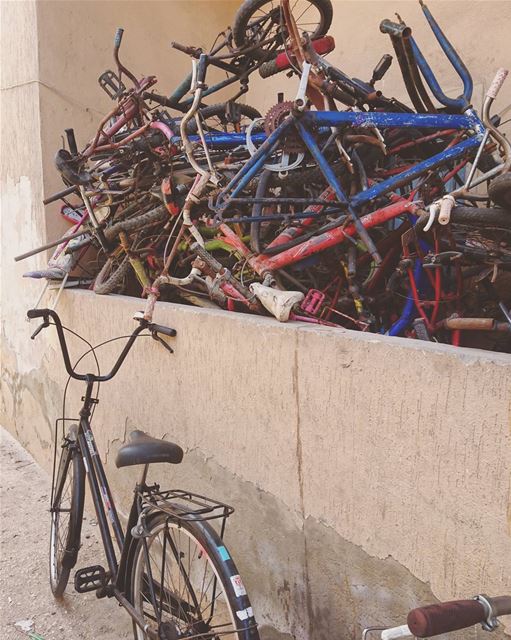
[
  {"x": 43, "y": 325},
  {"x": 156, "y": 337}
]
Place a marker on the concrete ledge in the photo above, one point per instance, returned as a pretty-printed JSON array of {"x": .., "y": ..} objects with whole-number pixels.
[{"x": 370, "y": 474}]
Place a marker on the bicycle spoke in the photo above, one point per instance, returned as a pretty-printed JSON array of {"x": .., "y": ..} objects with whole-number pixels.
[{"x": 186, "y": 588}]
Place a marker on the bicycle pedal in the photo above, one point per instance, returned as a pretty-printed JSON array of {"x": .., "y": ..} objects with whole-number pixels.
[
  {"x": 90, "y": 579},
  {"x": 111, "y": 84}
]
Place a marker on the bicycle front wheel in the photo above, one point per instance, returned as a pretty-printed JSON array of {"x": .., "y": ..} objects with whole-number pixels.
[
  {"x": 184, "y": 583},
  {"x": 66, "y": 514},
  {"x": 261, "y": 22}
]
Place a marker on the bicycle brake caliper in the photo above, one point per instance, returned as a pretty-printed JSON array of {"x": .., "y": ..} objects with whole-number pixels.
[{"x": 140, "y": 529}]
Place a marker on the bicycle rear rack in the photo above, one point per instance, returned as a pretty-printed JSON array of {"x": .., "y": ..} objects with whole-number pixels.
[{"x": 183, "y": 505}]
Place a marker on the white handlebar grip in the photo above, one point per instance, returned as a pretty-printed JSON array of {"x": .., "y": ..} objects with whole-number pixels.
[
  {"x": 396, "y": 632},
  {"x": 497, "y": 83},
  {"x": 434, "y": 210},
  {"x": 446, "y": 206}
]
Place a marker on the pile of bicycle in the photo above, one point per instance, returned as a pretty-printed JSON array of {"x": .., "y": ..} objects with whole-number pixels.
[{"x": 341, "y": 207}]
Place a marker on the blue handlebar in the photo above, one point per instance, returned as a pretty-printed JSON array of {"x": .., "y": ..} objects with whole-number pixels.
[{"x": 463, "y": 101}]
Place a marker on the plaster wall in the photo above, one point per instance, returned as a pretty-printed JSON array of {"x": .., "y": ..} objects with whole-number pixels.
[
  {"x": 369, "y": 474},
  {"x": 75, "y": 47}
]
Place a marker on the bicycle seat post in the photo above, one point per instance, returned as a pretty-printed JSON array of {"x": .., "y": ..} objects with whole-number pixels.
[{"x": 143, "y": 476}]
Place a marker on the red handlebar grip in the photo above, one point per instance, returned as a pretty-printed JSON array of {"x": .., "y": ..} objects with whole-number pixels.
[
  {"x": 322, "y": 46},
  {"x": 501, "y": 605},
  {"x": 444, "y": 617}
]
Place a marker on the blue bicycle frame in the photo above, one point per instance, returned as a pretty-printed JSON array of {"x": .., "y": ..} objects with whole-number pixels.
[{"x": 306, "y": 123}]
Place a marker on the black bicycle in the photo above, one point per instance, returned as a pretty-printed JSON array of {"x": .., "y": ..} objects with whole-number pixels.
[{"x": 172, "y": 571}]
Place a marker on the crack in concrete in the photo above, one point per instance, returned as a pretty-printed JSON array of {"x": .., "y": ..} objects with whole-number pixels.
[{"x": 299, "y": 460}]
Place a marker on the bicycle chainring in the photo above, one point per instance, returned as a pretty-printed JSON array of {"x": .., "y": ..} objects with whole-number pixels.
[{"x": 292, "y": 142}]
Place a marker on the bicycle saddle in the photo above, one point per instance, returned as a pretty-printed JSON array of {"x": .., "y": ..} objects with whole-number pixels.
[{"x": 142, "y": 449}]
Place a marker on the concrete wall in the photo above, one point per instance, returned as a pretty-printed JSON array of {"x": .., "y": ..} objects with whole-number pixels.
[{"x": 369, "y": 474}]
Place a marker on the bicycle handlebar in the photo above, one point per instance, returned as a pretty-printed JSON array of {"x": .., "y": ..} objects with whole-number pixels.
[
  {"x": 190, "y": 51},
  {"x": 118, "y": 37},
  {"x": 60, "y": 194},
  {"x": 497, "y": 83},
  {"x": 46, "y": 314},
  {"x": 201, "y": 68},
  {"x": 156, "y": 97},
  {"x": 440, "y": 618},
  {"x": 159, "y": 328}
]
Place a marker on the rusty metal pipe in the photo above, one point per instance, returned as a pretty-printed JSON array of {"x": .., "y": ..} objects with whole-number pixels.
[
  {"x": 120, "y": 66},
  {"x": 395, "y": 29},
  {"x": 399, "y": 49},
  {"x": 416, "y": 76},
  {"x": 475, "y": 324}
]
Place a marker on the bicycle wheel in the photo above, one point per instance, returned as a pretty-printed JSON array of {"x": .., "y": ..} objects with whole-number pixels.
[
  {"x": 66, "y": 514},
  {"x": 159, "y": 214},
  {"x": 473, "y": 216},
  {"x": 216, "y": 119},
  {"x": 112, "y": 275},
  {"x": 184, "y": 583},
  {"x": 260, "y": 21},
  {"x": 500, "y": 190},
  {"x": 482, "y": 216}
]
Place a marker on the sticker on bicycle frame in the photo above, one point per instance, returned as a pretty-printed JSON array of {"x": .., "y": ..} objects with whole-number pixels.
[
  {"x": 239, "y": 587},
  {"x": 224, "y": 554},
  {"x": 245, "y": 613},
  {"x": 108, "y": 505},
  {"x": 85, "y": 464},
  {"x": 90, "y": 445}
]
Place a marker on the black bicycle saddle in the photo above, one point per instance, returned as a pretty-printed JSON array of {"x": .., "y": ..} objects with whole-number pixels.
[{"x": 143, "y": 449}]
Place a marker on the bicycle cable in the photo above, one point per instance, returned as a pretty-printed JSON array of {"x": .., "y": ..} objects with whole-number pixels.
[
  {"x": 64, "y": 404},
  {"x": 92, "y": 349}
]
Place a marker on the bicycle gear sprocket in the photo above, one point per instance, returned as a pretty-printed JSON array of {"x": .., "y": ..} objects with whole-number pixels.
[{"x": 292, "y": 143}]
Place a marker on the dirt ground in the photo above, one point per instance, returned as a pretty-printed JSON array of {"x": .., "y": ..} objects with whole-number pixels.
[{"x": 26, "y": 602}]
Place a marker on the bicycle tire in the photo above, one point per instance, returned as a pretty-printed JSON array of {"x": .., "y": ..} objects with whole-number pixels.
[
  {"x": 109, "y": 279},
  {"x": 500, "y": 190},
  {"x": 192, "y": 541},
  {"x": 269, "y": 69},
  {"x": 133, "y": 224},
  {"x": 492, "y": 217},
  {"x": 219, "y": 111},
  {"x": 249, "y": 8},
  {"x": 71, "y": 470},
  {"x": 477, "y": 217}
]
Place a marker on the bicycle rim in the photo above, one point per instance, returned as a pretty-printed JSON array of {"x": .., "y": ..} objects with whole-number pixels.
[
  {"x": 192, "y": 594},
  {"x": 261, "y": 20},
  {"x": 66, "y": 517}
]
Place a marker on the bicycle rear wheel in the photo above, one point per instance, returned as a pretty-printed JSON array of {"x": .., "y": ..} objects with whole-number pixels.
[
  {"x": 185, "y": 583},
  {"x": 259, "y": 21},
  {"x": 66, "y": 514}
]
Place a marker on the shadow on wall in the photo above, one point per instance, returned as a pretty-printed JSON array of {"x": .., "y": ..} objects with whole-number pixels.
[{"x": 304, "y": 580}]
